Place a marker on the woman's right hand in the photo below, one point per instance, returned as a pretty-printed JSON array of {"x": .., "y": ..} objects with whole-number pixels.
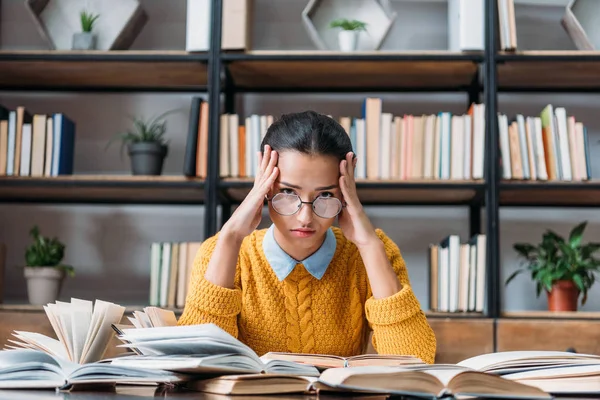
[{"x": 247, "y": 216}]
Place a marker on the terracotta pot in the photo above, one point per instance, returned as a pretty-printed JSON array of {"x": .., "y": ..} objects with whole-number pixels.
[{"x": 563, "y": 296}]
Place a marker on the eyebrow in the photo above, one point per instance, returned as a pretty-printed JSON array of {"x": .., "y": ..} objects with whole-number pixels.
[{"x": 317, "y": 189}]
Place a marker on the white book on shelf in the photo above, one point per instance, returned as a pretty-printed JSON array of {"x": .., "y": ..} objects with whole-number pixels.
[
  {"x": 481, "y": 272},
  {"x": 531, "y": 158},
  {"x": 384, "y": 146},
  {"x": 457, "y": 147},
  {"x": 542, "y": 171},
  {"x": 504, "y": 146},
  {"x": 468, "y": 143},
  {"x": 466, "y": 25},
  {"x": 478, "y": 146},
  {"x": 250, "y": 157},
  {"x": 428, "y": 147},
  {"x": 26, "y": 139},
  {"x": 361, "y": 149},
  {"x": 563, "y": 142},
  {"x": 523, "y": 145},
  {"x": 198, "y": 22},
  {"x": 165, "y": 272},
  {"x": 12, "y": 137}
]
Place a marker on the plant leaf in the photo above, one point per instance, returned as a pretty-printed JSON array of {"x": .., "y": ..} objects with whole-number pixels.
[{"x": 576, "y": 235}]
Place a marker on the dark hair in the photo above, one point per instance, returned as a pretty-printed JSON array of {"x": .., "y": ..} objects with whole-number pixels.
[{"x": 308, "y": 132}]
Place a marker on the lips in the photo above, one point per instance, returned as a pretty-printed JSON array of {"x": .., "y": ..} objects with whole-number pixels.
[{"x": 304, "y": 230}]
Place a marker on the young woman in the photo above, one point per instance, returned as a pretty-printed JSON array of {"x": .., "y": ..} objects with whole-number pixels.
[{"x": 304, "y": 285}]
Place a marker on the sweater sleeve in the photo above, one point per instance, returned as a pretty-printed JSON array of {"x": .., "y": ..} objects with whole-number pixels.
[
  {"x": 210, "y": 303},
  {"x": 399, "y": 325}
]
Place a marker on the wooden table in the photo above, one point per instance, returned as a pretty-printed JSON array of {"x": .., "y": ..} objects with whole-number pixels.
[{"x": 148, "y": 392}]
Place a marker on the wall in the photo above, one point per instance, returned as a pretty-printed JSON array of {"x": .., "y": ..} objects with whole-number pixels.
[{"x": 109, "y": 245}]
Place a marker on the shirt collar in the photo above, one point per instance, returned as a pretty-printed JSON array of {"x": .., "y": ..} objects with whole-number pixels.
[{"x": 282, "y": 263}]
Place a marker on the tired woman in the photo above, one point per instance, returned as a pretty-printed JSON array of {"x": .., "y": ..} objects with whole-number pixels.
[{"x": 304, "y": 285}]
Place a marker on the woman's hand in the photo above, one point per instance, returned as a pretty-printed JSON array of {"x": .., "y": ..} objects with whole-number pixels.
[
  {"x": 247, "y": 216},
  {"x": 353, "y": 220}
]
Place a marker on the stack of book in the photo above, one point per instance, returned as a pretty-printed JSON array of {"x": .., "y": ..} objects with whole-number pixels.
[
  {"x": 35, "y": 144},
  {"x": 206, "y": 358},
  {"x": 441, "y": 146},
  {"x": 552, "y": 146}
]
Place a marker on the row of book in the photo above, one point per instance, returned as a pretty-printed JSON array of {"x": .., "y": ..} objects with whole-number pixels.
[
  {"x": 206, "y": 358},
  {"x": 457, "y": 274},
  {"x": 552, "y": 146},
  {"x": 35, "y": 144},
  {"x": 439, "y": 146},
  {"x": 170, "y": 269}
]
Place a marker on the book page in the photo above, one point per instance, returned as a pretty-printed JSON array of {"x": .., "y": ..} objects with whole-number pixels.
[
  {"x": 44, "y": 343},
  {"x": 105, "y": 332},
  {"x": 52, "y": 311},
  {"x": 558, "y": 372},
  {"x": 488, "y": 361},
  {"x": 142, "y": 319},
  {"x": 81, "y": 318},
  {"x": 135, "y": 322},
  {"x": 97, "y": 318},
  {"x": 64, "y": 318},
  {"x": 160, "y": 317}
]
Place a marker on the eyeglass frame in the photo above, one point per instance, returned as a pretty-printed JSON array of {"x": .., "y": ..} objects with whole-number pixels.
[{"x": 343, "y": 205}]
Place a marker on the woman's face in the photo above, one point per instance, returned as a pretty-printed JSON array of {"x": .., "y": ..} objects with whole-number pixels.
[{"x": 309, "y": 177}]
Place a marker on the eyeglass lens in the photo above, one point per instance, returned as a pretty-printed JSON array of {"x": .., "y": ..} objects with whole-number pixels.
[{"x": 288, "y": 204}]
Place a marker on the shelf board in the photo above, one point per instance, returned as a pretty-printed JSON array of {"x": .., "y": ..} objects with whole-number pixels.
[
  {"x": 552, "y": 314},
  {"x": 327, "y": 71},
  {"x": 103, "y": 70},
  {"x": 550, "y": 193},
  {"x": 382, "y": 192},
  {"x": 102, "y": 189},
  {"x": 568, "y": 71},
  {"x": 438, "y": 314}
]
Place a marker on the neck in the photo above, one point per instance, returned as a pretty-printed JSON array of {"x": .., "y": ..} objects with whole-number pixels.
[{"x": 293, "y": 250}]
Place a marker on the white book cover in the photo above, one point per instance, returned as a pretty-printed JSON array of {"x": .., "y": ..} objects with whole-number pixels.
[
  {"x": 12, "y": 137},
  {"x": 361, "y": 148},
  {"x": 453, "y": 271},
  {"x": 504, "y": 146},
  {"x": 457, "y": 147},
  {"x": 165, "y": 272},
  {"x": 384, "y": 146},
  {"x": 250, "y": 155},
  {"x": 481, "y": 272},
  {"x": 523, "y": 145},
  {"x": 468, "y": 140},
  {"x": 466, "y": 25},
  {"x": 428, "y": 147},
  {"x": 26, "y": 151},
  {"x": 542, "y": 170},
  {"x": 198, "y": 22},
  {"x": 563, "y": 142},
  {"x": 531, "y": 157},
  {"x": 445, "y": 147},
  {"x": 478, "y": 133}
]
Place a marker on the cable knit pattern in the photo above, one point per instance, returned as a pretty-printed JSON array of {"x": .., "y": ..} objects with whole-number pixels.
[{"x": 333, "y": 315}]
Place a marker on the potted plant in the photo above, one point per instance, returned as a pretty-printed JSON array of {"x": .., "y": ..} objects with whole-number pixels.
[
  {"x": 348, "y": 36},
  {"x": 146, "y": 145},
  {"x": 563, "y": 268},
  {"x": 44, "y": 270},
  {"x": 85, "y": 40}
]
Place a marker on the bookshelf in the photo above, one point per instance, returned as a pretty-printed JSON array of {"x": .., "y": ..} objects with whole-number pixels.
[
  {"x": 481, "y": 76},
  {"x": 102, "y": 189},
  {"x": 114, "y": 71}
]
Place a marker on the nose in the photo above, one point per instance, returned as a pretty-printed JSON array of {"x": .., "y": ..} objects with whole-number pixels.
[{"x": 305, "y": 214}]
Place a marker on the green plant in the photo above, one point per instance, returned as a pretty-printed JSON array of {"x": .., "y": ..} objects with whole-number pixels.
[
  {"x": 348, "y": 25},
  {"x": 556, "y": 259},
  {"x": 150, "y": 131},
  {"x": 87, "y": 20},
  {"x": 46, "y": 252}
]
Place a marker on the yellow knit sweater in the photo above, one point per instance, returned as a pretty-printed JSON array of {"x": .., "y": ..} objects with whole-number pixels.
[{"x": 302, "y": 314}]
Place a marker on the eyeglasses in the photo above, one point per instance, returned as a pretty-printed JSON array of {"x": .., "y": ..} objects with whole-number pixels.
[{"x": 289, "y": 204}]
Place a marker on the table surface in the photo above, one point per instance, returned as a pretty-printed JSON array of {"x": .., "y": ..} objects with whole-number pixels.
[{"x": 135, "y": 392}]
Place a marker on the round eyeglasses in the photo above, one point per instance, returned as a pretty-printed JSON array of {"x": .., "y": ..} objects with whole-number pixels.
[{"x": 289, "y": 204}]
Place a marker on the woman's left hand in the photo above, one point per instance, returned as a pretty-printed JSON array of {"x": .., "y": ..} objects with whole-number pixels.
[{"x": 353, "y": 220}]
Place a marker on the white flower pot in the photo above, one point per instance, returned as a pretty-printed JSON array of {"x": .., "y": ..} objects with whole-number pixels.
[
  {"x": 348, "y": 40},
  {"x": 43, "y": 284}
]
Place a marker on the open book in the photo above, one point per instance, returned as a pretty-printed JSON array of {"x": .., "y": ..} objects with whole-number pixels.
[
  {"x": 84, "y": 330},
  {"x": 204, "y": 348},
  {"x": 429, "y": 381},
  {"x": 324, "y": 361},
  {"x": 152, "y": 317},
  {"x": 34, "y": 369},
  {"x": 552, "y": 371}
]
